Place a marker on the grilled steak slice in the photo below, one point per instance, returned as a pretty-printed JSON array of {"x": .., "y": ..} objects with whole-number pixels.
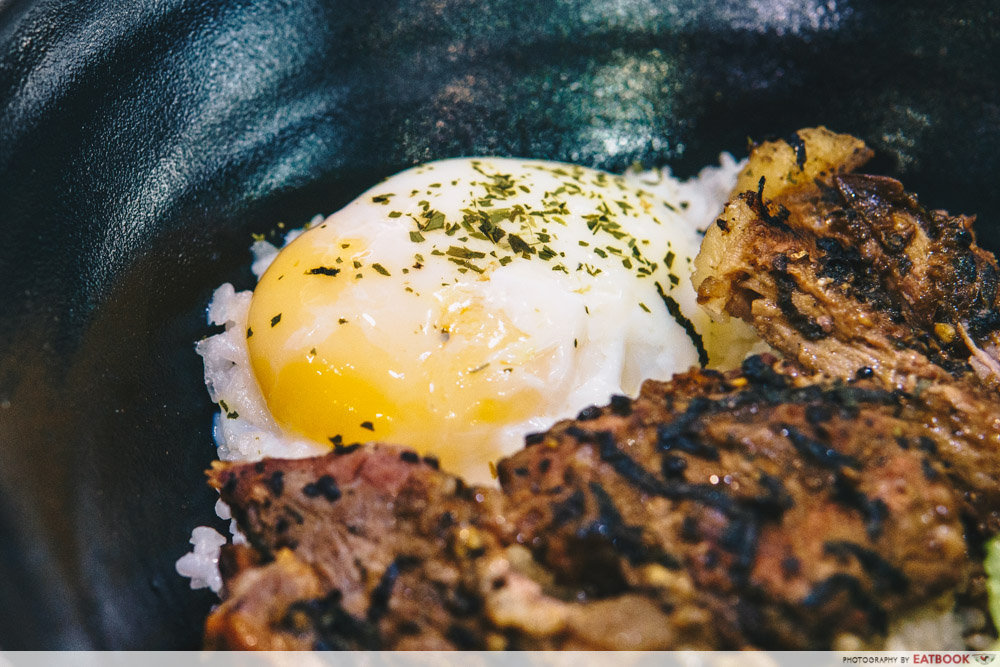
[
  {"x": 845, "y": 272},
  {"x": 382, "y": 546},
  {"x": 761, "y": 508},
  {"x": 805, "y": 509},
  {"x": 374, "y": 548}
]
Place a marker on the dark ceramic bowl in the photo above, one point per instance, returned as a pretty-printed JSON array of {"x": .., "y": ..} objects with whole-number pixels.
[{"x": 141, "y": 143}]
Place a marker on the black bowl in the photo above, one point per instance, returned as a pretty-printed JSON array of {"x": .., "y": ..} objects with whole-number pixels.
[{"x": 142, "y": 143}]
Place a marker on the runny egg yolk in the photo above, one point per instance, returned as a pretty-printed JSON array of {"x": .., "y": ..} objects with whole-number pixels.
[
  {"x": 340, "y": 362},
  {"x": 462, "y": 304}
]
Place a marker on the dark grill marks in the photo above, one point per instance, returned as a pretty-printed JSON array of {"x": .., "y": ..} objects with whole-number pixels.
[
  {"x": 689, "y": 530},
  {"x": 758, "y": 371},
  {"x": 679, "y": 436},
  {"x": 885, "y": 576},
  {"x": 335, "y": 629},
  {"x": 707, "y": 494},
  {"x": 325, "y": 486},
  {"x": 295, "y": 516},
  {"x": 817, "y": 414},
  {"x": 874, "y": 511},
  {"x": 740, "y": 539},
  {"x": 668, "y": 438},
  {"x": 534, "y": 439},
  {"x": 775, "y": 501},
  {"x": 851, "y": 397},
  {"x": 463, "y": 603},
  {"x": 570, "y": 509},
  {"x": 623, "y": 464},
  {"x": 769, "y": 388},
  {"x": 744, "y": 514},
  {"x": 276, "y": 482},
  {"x": 379, "y": 604},
  {"x": 673, "y": 466},
  {"x": 710, "y": 495},
  {"x": 815, "y": 451},
  {"x": 621, "y": 405},
  {"x": 786, "y": 287},
  {"x": 837, "y": 584},
  {"x": 625, "y": 539}
]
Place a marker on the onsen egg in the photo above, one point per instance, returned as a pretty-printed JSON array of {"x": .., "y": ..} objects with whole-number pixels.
[{"x": 461, "y": 304}]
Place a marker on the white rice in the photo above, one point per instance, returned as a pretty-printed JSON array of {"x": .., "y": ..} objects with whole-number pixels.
[
  {"x": 243, "y": 429},
  {"x": 202, "y": 563}
]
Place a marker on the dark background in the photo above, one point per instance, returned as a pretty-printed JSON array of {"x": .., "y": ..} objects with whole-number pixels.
[{"x": 141, "y": 143}]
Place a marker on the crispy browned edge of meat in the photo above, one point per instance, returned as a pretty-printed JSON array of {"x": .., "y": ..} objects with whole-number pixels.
[
  {"x": 887, "y": 283},
  {"x": 842, "y": 272}
]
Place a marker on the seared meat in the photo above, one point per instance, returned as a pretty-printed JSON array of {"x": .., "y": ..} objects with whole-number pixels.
[
  {"x": 385, "y": 543},
  {"x": 374, "y": 548},
  {"x": 803, "y": 509},
  {"x": 844, "y": 272},
  {"x": 841, "y": 271},
  {"x": 788, "y": 504},
  {"x": 738, "y": 510}
]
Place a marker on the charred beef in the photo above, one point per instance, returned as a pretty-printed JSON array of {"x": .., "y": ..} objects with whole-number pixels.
[
  {"x": 848, "y": 273},
  {"x": 760, "y": 508},
  {"x": 375, "y": 548}
]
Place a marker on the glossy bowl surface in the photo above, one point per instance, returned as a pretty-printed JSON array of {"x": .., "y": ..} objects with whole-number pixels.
[{"x": 142, "y": 143}]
